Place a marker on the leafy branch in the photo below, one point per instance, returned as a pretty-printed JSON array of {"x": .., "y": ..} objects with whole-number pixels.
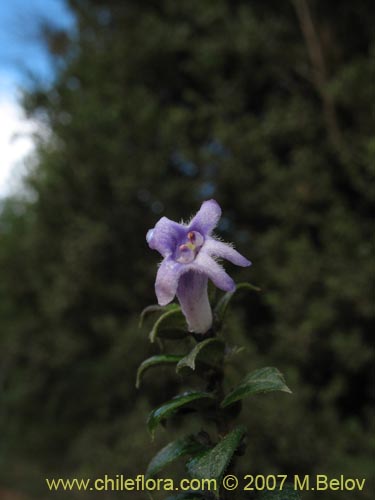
[{"x": 206, "y": 456}]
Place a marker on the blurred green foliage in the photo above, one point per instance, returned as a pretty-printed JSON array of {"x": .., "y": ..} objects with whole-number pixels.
[{"x": 158, "y": 105}]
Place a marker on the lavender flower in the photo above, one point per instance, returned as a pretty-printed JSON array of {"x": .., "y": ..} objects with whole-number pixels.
[{"x": 189, "y": 253}]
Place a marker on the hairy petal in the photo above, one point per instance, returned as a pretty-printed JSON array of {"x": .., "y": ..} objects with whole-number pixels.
[
  {"x": 206, "y": 218},
  {"x": 206, "y": 265},
  {"x": 165, "y": 236},
  {"x": 167, "y": 278},
  {"x": 193, "y": 297},
  {"x": 225, "y": 251}
]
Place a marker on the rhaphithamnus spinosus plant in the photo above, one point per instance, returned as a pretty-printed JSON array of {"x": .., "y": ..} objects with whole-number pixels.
[{"x": 189, "y": 254}]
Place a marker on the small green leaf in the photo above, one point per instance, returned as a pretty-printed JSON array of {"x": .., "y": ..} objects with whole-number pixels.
[
  {"x": 185, "y": 446},
  {"x": 160, "y": 359},
  {"x": 171, "y": 407},
  {"x": 221, "y": 306},
  {"x": 264, "y": 380},
  {"x": 287, "y": 493},
  {"x": 212, "y": 348},
  {"x": 213, "y": 463},
  {"x": 154, "y": 309},
  {"x": 232, "y": 352},
  {"x": 171, "y": 324}
]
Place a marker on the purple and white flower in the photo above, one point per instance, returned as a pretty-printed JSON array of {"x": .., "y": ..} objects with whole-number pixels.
[{"x": 189, "y": 253}]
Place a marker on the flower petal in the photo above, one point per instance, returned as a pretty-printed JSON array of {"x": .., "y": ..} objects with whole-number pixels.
[
  {"x": 206, "y": 265},
  {"x": 165, "y": 236},
  {"x": 220, "y": 249},
  {"x": 167, "y": 278},
  {"x": 193, "y": 297},
  {"x": 206, "y": 218}
]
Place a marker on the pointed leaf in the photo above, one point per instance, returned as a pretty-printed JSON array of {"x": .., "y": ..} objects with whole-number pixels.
[
  {"x": 232, "y": 352},
  {"x": 260, "y": 381},
  {"x": 160, "y": 359},
  {"x": 209, "y": 350},
  {"x": 213, "y": 463},
  {"x": 154, "y": 309},
  {"x": 223, "y": 303},
  {"x": 185, "y": 446},
  {"x": 171, "y": 324},
  {"x": 171, "y": 407}
]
